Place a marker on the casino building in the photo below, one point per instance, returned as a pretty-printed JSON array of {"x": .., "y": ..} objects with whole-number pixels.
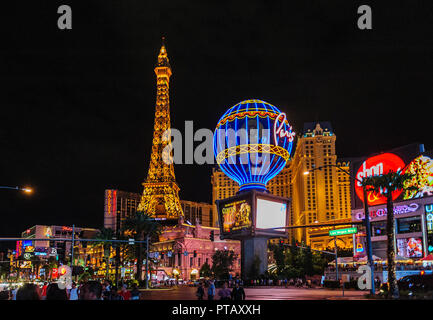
[
  {"x": 413, "y": 209},
  {"x": 322, "y": 195},
  {"x": 121, "y": 204}
]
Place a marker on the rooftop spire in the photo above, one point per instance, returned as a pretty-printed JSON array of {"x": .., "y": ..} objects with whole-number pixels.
[{"x": 162, "y": 57}]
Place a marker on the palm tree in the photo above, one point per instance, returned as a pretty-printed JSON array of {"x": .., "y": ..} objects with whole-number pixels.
[
  {"x": 387, "y": 184},
  {"x": 105, "y": 234},
  {"x": 141, "y": 225},
  {"x": 50, "y": 264}
]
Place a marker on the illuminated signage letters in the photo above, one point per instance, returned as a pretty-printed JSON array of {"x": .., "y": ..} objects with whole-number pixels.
[
  {"x": 383, "y": 212},
  {"x": 340, "y": 232},
  {"x": 375, "y": 166},
  {"x": 429, "y": 217}
]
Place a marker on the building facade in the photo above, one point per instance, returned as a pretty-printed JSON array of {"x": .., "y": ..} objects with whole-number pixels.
[
  {"x": 413, "y": 221},
  {"x": 200, "y": 212},
  {"x": 183, "y": 249},
  {"x": 118, "y": 206},
  {"x": 52, "y": 247}
]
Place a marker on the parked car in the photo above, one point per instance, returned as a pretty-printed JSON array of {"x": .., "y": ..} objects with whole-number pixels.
[{"x": 416, "y": 282}]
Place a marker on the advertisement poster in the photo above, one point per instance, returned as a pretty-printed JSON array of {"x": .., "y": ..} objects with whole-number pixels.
[
  {"x": 410, "y": 248},
  {"x": 422, "y": 169},
  {"x": 236, "y": 216}
]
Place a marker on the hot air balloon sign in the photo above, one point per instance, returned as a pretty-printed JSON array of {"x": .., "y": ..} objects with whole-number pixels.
[{"x": 253, "y": 141}]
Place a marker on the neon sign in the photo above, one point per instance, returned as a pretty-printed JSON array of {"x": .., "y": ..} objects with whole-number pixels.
[
  {"x": 375, "y": 166},
  {"x": 280, "y": 132},
  {"x": 243, "y": 144},
  {"x": 383, "y": 212},
  {"x": 110, "y": 202},
  {"x": 429, "y": 217}
]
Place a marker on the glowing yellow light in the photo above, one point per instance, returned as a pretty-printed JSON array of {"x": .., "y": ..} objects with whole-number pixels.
[
  {"x": 252, "y": 148},
  {"x": 306, "y": 172},
  {"x": 27, "y": 190}
]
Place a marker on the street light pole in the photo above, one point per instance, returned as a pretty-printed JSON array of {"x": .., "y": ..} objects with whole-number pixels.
[
  {"x": 28, "y": 190},
  {"x": 336, "y": 259},
  {"x": 72, "y": 245},
  {"x": 366, "y": 221},
  {"x": 147, "y": 260},
  {"x": 368, "y": 236}
]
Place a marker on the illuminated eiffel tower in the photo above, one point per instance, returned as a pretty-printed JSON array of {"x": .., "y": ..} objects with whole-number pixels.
[{"x": 160, "y": 197}]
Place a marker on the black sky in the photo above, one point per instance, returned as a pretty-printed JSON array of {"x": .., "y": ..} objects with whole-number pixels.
[{"x": 77, "y": 106}]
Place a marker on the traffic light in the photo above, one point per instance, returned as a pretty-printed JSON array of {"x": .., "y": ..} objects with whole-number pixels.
[
  {"x": 61, "y": 251},
  {"x": 281, "y": 242},
  {"x": 212, "y": 235},
  {"x": 195, "y": 253},
  {"x": 162, "y": 255}
]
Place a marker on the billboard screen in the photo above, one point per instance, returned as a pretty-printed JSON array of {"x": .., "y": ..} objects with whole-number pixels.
[
  {"x": 410, "y": 247},
  {"x": 270, "y": 214},
  {"x": 422, "y": 168},
  {"x": 236, "y": 216}
]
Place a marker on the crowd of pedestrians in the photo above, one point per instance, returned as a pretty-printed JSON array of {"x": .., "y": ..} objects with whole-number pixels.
[
  {"x": 224, "y": 293},
  {"x": 90, "y": 290}
]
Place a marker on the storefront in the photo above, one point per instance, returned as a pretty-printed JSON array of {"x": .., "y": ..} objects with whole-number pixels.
[{"x": 413, "y": 229}]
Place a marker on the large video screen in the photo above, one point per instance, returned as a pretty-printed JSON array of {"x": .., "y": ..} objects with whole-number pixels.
[
  {"x": 410, "y": 248},
  {"x": 236, "y": 215},
  {"x": 270, "y": 214}
]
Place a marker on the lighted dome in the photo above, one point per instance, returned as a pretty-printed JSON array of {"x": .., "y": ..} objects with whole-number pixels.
[{"x": 252, "y": 143}]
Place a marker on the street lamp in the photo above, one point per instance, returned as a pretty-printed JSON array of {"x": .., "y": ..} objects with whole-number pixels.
[
  {"x": 366, "y": 221},
  {"x": 26, "y": 189}
]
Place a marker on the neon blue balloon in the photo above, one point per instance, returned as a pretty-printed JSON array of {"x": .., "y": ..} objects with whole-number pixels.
[{"x": 252, "y": 143}]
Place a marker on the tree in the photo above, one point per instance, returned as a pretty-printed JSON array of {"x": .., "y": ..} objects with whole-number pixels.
[
  {"x": 205, "y": 270},
  {"x": 222, "y": 263},
  {"x": 386, "y": 184},
  {"x": 254, "y": 271},
  {"x": 141, "y": 225},
  {"x": 295, "y": 262},
  {"x": 105, "y": 234}
]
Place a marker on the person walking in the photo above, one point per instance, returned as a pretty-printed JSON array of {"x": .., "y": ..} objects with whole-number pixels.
[
  {"x": 200, "y": 291},
  {"x": 106, "y": 291},
  {"x": 224, "y": 293},
  {"x": 238, "y": 292},
  {"x": 125, "y": 293},
  {"x": 44, "y": 291},
  {"x": 73, "y": 292},
  {"x": 29, "y": 291},
  {"x": 135, "y": 293},
  {"x": 91, "y": 290},
  {"x": 55, "y": 293},
  {"x": 211, "y": 291},
  {"x": 114, "y": 295}
]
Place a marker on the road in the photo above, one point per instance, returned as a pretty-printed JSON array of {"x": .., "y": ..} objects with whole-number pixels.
[{"x": 260, "y": 293}]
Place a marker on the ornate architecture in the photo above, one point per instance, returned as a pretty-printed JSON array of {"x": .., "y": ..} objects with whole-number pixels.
[
  {"x": 183, "y": 249},
  {"x": 160, "y": 197}
]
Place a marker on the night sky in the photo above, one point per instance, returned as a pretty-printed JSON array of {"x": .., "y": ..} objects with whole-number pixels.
[{"x": 77, "y": 106}]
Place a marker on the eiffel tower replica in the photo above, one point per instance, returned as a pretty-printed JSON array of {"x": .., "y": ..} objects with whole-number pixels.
[{"x": 160, "y": 197}]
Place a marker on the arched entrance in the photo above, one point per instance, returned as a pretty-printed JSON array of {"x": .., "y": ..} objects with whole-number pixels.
[{"x": 194, "y": 274}]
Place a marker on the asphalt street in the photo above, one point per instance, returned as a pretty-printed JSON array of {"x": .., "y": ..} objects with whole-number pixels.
[{"x": 260, "y": 293}]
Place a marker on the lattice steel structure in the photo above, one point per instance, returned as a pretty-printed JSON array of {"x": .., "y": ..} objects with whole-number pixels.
[{"x": 160, "y": 196}]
